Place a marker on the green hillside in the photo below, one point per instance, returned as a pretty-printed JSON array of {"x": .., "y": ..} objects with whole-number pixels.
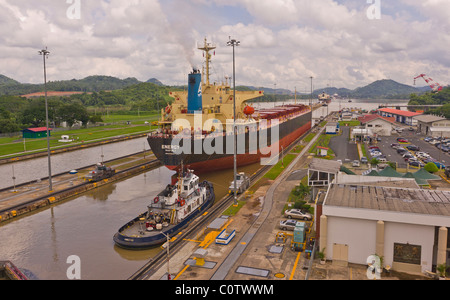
[
  {"x": 88, "y": 84},
  {"x": 385, "y": 88}
]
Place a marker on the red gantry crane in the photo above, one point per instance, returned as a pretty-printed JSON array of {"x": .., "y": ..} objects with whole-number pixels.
[{"x": 435, "y": 87}]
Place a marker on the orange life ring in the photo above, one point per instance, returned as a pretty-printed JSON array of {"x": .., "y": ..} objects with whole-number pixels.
[
  {"x": 182, "y": 202},
  {"x": 156, "y": 200}
]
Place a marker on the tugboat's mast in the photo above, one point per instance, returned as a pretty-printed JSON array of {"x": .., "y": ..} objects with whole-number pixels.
[{"x": 207, "y": 47}]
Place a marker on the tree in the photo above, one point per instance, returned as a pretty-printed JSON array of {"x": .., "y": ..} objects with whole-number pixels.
[
  {"x": 34, "y": 112},
  {"x": 374, "y": 161},
  {"x": 8, "y": 126},
  {"x": 431, "y": 167},
  {"x": 73, "y": 112}
]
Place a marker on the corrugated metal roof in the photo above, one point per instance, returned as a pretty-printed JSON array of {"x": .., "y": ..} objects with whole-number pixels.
[
  {"x": 404, "y": 113},
  {"x": 419, "y": 201},
  {"x": 428, "y": 118}
]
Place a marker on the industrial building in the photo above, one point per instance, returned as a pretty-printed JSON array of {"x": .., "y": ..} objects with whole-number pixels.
[
  {"x": 407, "y": 227},
  {"x": 432, "y": 125},
  {"x": 401, "y": 116}
]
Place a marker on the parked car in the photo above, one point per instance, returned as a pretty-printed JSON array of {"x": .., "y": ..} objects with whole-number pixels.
[
  {"x": 382, "y": 159},
  {"x": 401, "y": 150},
  {"x": 402, "y": 140},
  {"x": 408, "y": 156},
  {"x": 356, "y": 163},
  {"x": 415, "y": 163},
  {"x": 413, "y": 148},
  {"x": 439, "y": 165},
  {"x": 428, "y": 139},
  {"x": 288, "y": 224},
  {"x": 395, "y": 145},
  {"x": 434, "y": 142},
  {"x": 297, "y": 214},
  {"x": 422, "y": 155},
  {"x": 364, "y": 160}
]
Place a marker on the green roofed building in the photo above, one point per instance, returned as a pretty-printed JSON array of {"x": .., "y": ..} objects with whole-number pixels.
[{"x": 35, "y": 133}]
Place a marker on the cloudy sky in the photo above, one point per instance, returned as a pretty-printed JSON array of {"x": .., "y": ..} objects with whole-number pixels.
[{"x": 341, "y": 43}]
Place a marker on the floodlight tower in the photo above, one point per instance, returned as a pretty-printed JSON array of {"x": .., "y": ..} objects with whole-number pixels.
[
  {"x": 45, "y": 53},
  {"x": 233, "y": 43}
]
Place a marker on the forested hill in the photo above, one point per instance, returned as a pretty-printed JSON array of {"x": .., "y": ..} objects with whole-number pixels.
[
  {"x": 385, "y": 88},
  {"x": 97, "y": 83}
]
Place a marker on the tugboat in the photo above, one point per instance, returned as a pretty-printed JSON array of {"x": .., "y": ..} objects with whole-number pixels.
[{"x": 168, "y": 213}]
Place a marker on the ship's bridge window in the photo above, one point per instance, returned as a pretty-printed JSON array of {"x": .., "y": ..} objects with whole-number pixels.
[{"x": 185, "y": 187}]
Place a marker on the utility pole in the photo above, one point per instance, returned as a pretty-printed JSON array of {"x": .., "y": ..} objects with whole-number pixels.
[
  {"x": 45, "y": 53},
  {"x": 233, "y": 43}
]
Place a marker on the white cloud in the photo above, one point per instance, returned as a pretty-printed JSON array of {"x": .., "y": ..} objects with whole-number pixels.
[{"x": 282, "y": 41}]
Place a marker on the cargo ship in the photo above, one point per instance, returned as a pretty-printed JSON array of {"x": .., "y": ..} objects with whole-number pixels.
[
  {"x": 324, "y": 98},
  {"x": 197, "y": 128},
  {"x": 168, "y": 212}
]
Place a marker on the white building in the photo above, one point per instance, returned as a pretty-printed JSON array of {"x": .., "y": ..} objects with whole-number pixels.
[
  {"x": 433, "y": 125},
  {"x": 408, "y": 227},
  {"x": 380, "y": 126},
  {"x": 332, "y": 128}
]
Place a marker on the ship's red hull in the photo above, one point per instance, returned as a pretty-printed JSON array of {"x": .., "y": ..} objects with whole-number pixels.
[{"x": 243, "y": 159}]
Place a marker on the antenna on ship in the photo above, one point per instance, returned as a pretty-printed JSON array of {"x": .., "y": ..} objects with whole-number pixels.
[{"x": 207, "y": 47}]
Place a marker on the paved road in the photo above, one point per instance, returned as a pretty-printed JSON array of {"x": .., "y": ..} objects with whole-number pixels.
[{"x": 341, "y": 146}]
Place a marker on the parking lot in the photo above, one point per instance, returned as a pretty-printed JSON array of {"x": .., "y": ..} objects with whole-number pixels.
[{"x": 413, "y": 139}]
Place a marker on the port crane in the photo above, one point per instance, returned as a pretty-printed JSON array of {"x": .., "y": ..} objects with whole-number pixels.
[{"x": 435, "y": 87}]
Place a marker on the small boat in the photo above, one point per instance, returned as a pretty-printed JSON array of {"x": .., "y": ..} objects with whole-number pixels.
[{"x": 168, "y": 213}]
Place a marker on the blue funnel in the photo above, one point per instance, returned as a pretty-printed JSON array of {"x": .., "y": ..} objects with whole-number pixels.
[{"x": 195, "y": 92}]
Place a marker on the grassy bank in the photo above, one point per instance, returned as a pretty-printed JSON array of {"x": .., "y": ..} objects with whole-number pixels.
[
  {"x": 17, "y": 145},
  {"x": 279, "y": 167}
]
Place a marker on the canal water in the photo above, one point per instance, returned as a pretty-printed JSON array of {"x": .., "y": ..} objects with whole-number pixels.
[
  {"x": 30, "y": 170},
  {"x": 41, "y": 243}
]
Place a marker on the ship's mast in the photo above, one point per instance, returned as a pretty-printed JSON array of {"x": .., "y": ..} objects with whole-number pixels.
[{"x": 207, "y": 47}]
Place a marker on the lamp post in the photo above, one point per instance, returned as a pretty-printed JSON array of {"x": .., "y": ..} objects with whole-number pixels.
[
  {"x": 45, "y": 53},
  {"x": 233, "y": 43}
]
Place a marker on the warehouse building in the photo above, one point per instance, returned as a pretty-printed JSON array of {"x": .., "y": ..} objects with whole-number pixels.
[
  {"x": 401, "y": 116},
  {"x": 433, "y": 125},
  {"x": 407, "y": 227}
]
